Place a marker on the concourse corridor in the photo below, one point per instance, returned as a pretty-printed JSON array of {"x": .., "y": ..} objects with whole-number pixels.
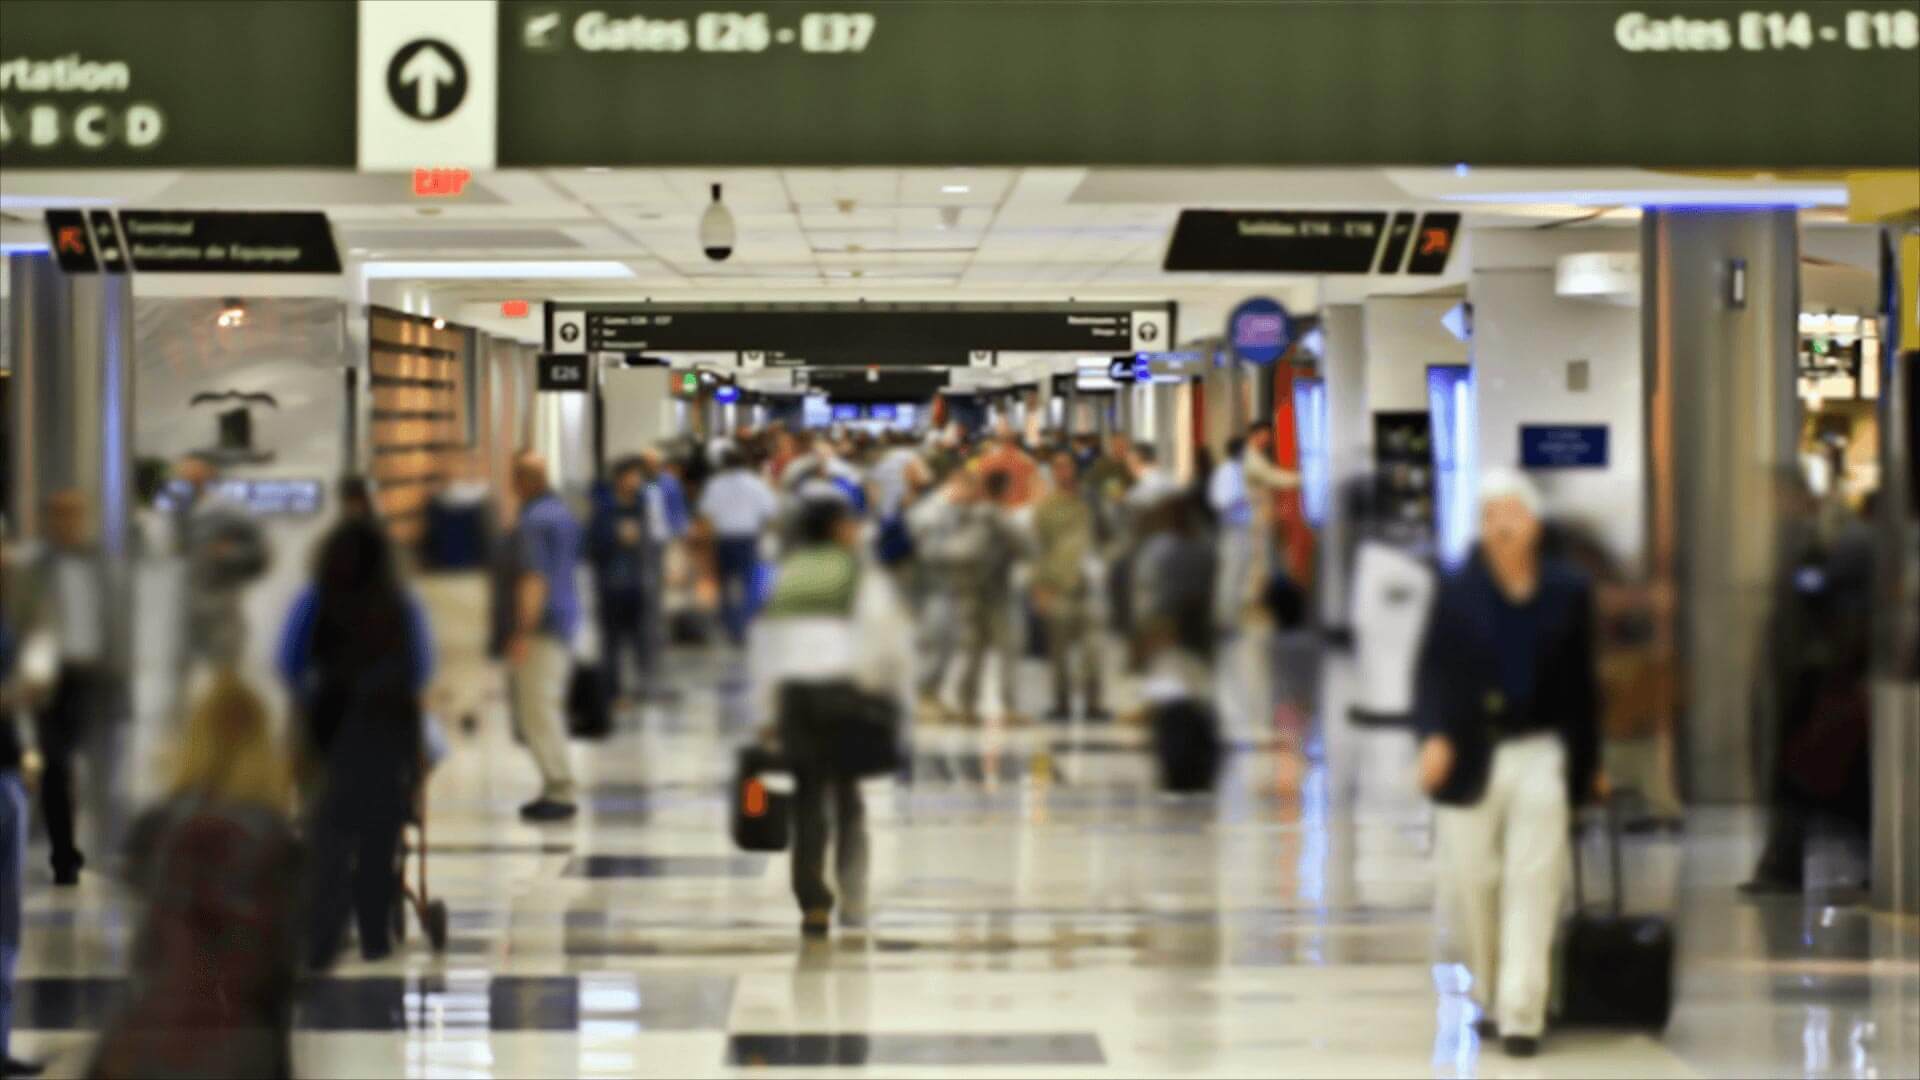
[{"x": 1039, "y": 909}]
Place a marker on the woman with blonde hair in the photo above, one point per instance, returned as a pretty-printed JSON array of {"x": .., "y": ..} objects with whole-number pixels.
[{"x": 218, "y": 866}]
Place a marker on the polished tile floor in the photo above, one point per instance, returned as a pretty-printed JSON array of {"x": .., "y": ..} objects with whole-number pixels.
[{"x": 1040, "y": 910}]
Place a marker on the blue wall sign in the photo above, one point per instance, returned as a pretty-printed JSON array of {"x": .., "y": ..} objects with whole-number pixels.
[
  {"x": 726, "y": 395},
  {"x": 1142, "y": 369},
  {"x": 1259, "y": 330},
  {"x": 1563, "y": 446},
  {"x": 844, "y": 413}
]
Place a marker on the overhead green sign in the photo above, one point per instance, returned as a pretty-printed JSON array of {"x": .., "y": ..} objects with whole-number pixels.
[
  {"x": 1700, "y": 83},
  {"x": 187, "y": 82}
]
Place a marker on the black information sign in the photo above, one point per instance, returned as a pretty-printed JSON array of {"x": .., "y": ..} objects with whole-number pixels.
[
  {"x": 225, "y": 242},
  {"x": 186, "y": 83},
  {"x": 1398, "y": 233},
  {"x": 1673, "y": 83},
  {"x": 859, "y": 386},
  {"x": 72, "y": 245},
  {"x": 1286, "y": 242},
  {"x": 892, "y": 336},
  {"x": 1433, "y": 243},
  {"x": 562, "y": 373}
]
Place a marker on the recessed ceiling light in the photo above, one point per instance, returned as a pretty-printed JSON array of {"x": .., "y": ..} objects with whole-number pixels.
[
  {"x": 955, "y": 189},
  {"x": 596, "y": 169}
]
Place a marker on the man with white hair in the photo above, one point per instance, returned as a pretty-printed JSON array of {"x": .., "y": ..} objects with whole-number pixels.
[{"x": 1506, "y": 714}]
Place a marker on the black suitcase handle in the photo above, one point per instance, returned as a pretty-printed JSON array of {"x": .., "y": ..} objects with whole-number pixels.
[{"x": 1618, "y": 890}]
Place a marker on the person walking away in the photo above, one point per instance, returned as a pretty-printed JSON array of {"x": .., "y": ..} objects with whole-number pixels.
[
  {"x": 1506, "y": 713},
  {"x": 622, "y": 544},
  {"x": 64, "y": 589},
  {"x": 356, "y": 656},
  {"x": 739, "y": 506},
  {"x": 213, "y": 968},
  {"x": 987, "y": 550},
  {"x": 224, "y": 552},
  {"x": 937, "y": 539},
  {"x": 536, "y": 612},
  {"x": 1818, "y": 653},
  {"x": 832, "y": 627},
  {"x": 1063, "y": 534},
  {"x": 898, "y": 478},
  {"x": 24, "y": 681},
  {"x": 1232, "y": 503}
]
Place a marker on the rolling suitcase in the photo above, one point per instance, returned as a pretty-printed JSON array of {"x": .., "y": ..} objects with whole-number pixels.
[
  {"x": 762, "y": 812},
  {"x": 1186, "y": 744},
  {"x": 1616, "y": 970}
]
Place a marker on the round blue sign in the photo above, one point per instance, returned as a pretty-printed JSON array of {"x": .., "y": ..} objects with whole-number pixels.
[{"x": 1259, "y": 330}]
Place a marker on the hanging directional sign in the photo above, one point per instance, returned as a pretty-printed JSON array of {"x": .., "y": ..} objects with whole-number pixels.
[
  {"x": 844, "y": 335},
  {"x": 1103, "y": 82},
  {"x": 194, "y": 241},
  {"x": 1276, "y": 241},
  {"x": 184, "y": 83}
]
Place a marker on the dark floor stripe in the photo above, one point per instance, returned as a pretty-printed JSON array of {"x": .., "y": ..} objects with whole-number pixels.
[
  {"x": 403, "y": 1003},
  {"x": 774, "y": 1050}
]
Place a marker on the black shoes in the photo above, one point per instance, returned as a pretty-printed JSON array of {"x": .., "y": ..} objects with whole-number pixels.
[
  {"x": 66, "y": 872},
  {"x": 816, "y": 924},
  {"x": 21, "y": 1068},
  {"x": 1520, "y": 1046},
  {"x": 546, "y": 810},
  {"x": 1486, "y": 1029}
]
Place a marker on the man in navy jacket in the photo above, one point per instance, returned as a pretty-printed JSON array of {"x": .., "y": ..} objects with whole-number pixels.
[{"x": 1506, "y": 715}]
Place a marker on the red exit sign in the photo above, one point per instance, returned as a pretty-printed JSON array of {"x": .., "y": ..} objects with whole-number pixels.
[
  {"x": 513, "y": 309},
  {"x": 440, "y": 183}
]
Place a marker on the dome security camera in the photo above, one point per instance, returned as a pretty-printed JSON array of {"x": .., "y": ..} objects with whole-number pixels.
[{"x": 716, "y": 229}]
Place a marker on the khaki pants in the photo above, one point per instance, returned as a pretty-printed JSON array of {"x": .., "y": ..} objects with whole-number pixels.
[
  {"x": 537, "y": 689},
  {"x": 1069, "y": 630},
  {"x": 1502, "y": 865}
]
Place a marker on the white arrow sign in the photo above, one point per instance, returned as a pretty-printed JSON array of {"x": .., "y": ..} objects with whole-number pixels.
[{"x": 427, "y": 72}]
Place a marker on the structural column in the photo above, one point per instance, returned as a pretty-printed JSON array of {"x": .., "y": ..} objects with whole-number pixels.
[
  {"x": 1719, "y": 318},
  {"x": 1896, "y": 632}
]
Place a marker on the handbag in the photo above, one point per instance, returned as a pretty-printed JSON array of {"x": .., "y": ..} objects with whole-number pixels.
[{"x": 762, "y": 810}]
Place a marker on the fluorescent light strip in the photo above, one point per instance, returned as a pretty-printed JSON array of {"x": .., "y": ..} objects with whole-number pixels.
[
  {"x": 24, "y": 249},
  {"x": 1809, "y": 196},
  {"x": 583, "y": 269}
]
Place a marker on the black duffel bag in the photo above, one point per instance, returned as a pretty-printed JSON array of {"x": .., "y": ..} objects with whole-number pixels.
[
  {"x": 839, "y": 728},
  {"x": 1616, "y": 970},
  {"x": 589, "y": 707}
]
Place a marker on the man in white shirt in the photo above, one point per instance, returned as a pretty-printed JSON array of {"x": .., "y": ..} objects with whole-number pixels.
[
  {"x": 65, "y": 592},
  {"x": 738, "y": 505}
]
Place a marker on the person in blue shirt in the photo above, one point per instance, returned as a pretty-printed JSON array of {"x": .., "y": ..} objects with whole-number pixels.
[
  {"x": 356, "y": 654},
  {"x": 622, "y": 543},
  {"x": 536, "y": 612}
]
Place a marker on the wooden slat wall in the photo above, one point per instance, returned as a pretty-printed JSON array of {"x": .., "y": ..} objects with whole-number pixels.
[{"x": 421, "y": 430}]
